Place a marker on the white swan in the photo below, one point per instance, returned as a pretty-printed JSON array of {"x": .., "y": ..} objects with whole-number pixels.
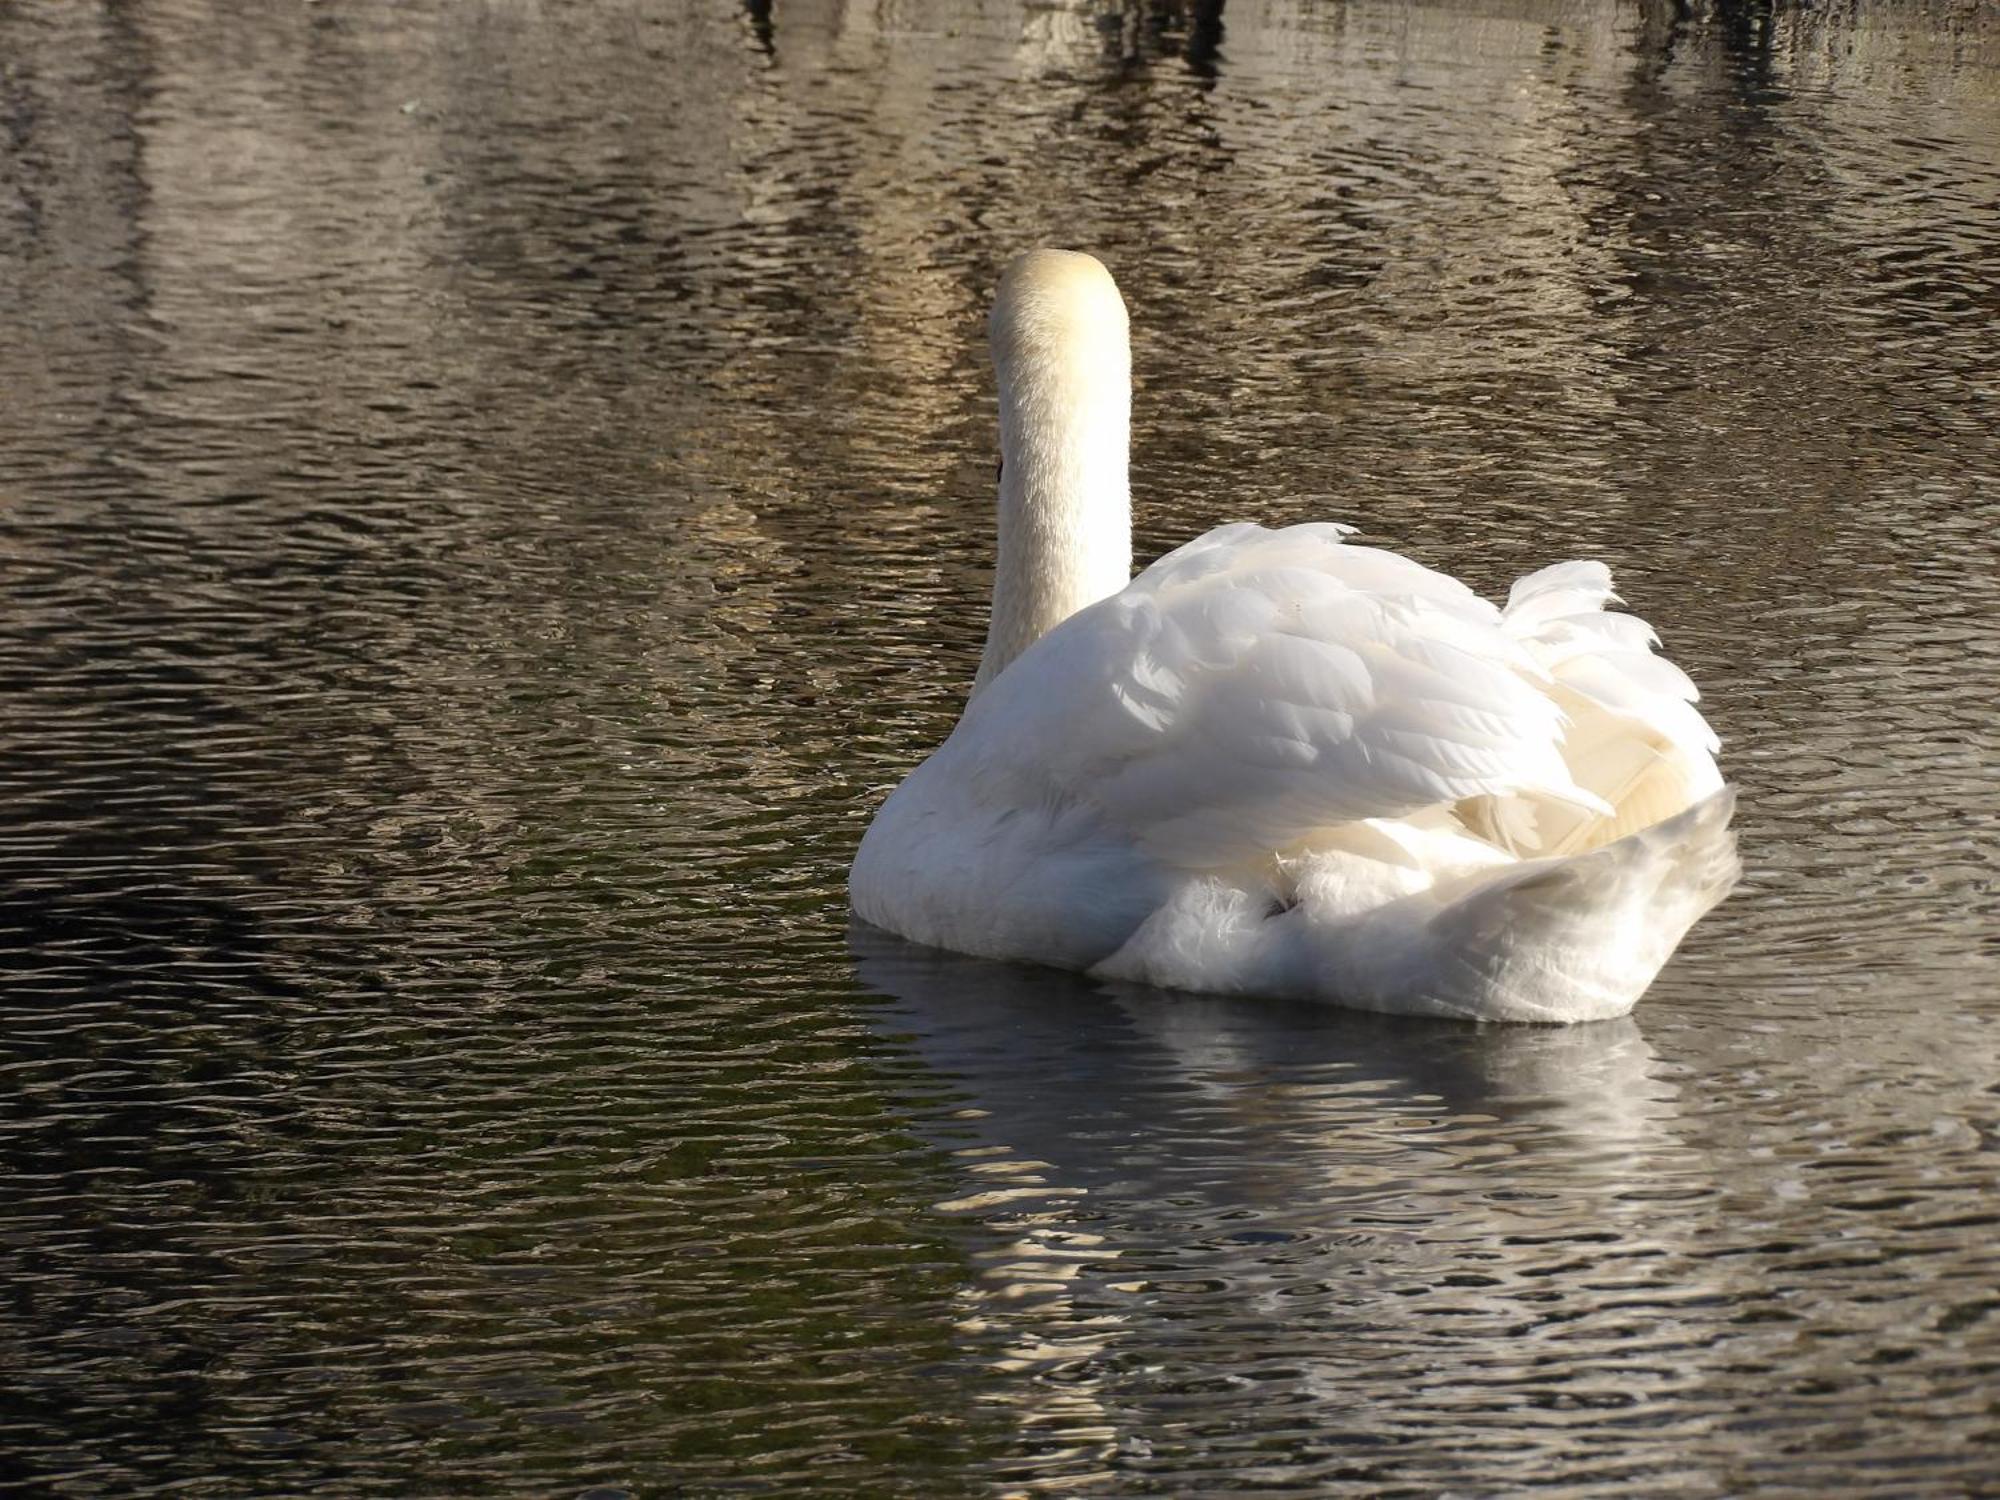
[{"x": 1279, "y": 763}]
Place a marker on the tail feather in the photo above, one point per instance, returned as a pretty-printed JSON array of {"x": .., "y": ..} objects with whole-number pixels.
[{"x": 1581, "y": 937}]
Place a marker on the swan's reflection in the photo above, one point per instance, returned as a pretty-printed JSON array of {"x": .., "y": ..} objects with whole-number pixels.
[
  {"x": 1184, "y": 1179},
  {"x": 1063, "y": 1064}
]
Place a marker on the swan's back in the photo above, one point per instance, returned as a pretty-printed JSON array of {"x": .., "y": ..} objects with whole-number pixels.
[{"x": 1256, "y": 686}]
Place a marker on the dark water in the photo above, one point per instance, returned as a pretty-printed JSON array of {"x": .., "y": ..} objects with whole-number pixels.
[{"x": 492, "y": 494}]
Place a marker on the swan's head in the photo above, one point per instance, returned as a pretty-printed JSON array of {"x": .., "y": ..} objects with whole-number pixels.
[{"x": 1058, "y": 317}]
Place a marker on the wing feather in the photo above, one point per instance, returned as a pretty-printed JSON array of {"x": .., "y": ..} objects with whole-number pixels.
[
  {"x": 1256, "y": 686},
  {"x": 1634, "y": 735}
]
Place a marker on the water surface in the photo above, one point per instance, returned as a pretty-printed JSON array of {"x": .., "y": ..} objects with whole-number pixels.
[{"x": 492, "y": 495}]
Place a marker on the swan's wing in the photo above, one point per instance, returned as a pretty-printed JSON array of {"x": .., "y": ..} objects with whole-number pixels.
[
  {"x": 1606, "y": 658},
  {"x": 1256, "y": 686}
]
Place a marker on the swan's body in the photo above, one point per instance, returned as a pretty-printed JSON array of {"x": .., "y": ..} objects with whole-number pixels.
[{"x": 1279, "y": 763}]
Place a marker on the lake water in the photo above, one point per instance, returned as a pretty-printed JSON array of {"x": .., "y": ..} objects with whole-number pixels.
[{"x": 493, "y": 494}]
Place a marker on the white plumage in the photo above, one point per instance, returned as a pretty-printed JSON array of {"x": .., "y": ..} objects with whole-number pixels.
[{"x": 1280, "y": 763}]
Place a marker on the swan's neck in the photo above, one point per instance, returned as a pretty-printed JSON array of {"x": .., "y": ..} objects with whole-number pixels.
[{"x": 1065, "y": 501}]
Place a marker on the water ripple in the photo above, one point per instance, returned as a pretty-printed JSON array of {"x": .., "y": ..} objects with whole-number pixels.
[{"x": 490, "y": 498}]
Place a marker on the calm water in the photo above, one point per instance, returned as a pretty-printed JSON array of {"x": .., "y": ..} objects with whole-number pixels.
[{"x": 491, "y": 495}]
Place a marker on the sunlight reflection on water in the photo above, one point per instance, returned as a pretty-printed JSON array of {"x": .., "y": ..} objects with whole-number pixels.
[{"x": 493, "y": 495}]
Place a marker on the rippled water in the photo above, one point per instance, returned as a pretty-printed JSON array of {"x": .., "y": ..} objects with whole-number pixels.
[{"x": 492, "y": 494}]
